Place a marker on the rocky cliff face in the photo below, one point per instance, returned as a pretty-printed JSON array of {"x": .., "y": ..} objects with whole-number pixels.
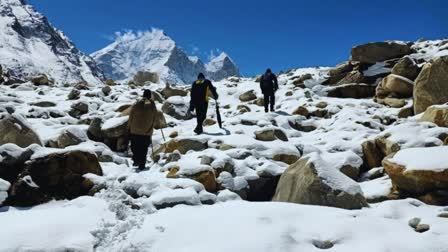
[
  {"x": 154, "y": 51},
  {"x": 30, "y": 45}
]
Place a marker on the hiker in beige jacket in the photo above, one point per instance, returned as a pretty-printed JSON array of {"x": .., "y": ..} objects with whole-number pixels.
[{"x": 142, "y": 120}]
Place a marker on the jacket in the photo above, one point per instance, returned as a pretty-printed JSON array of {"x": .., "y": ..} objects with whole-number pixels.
[
  {"x": 268, "y": 83},
  {"x": 201, "y": 90},
  {"x": 142, "y": 117}
]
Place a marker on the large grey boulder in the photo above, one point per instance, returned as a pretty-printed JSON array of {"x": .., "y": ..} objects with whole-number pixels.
[
  {"x": 379, "y": 51},
  {"x": 177, "y": 107},
  {"x": 15, "y": 129},
  {"x": 431, "y": 85},
  {"x": 406, "y": 67},
  {"x": 313, "y": 181},
  {"x": 395, "y": 86},
  {"x": 141, "y": 77}
]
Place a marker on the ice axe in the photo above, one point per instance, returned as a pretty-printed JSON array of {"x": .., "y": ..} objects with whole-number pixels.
[{"x": 218, "y": 114}]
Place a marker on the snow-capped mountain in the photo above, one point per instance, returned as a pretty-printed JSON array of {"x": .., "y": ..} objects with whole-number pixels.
[
  {"x": 30, "y": 45},
  {"x": 156, "y": 52}
]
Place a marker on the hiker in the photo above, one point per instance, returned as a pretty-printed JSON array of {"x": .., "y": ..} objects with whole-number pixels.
[
  {"x": 141, "y": 125},
  {"x": 200, "y": 92},
  {"x": 268, "y": 85}
]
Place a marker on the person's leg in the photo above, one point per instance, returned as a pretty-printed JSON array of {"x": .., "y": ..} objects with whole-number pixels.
[
  {"x": 146, "y": 141},
  {"x": 266, "y": 102},
  {"x": 272, "y": 101},
  {"x": 199, "y": 121},
  {"x": 134, "y": 149}
]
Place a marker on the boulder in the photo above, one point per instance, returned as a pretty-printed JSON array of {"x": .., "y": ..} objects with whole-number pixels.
[
  {"x": 431, "y": 85},
  {"x": 395, "y": 86},
  {"x": 13, "y": 161},
  {"x": 78, "y": 109},
  {"x": 391, "y": 102},
  {"x": 168, "y": 92},
  {"x": 299, "y": 80},
  {"x": 437, "y": 115},
  {"x": 262, "y": 188},
  {"x": 286, "y": 158},
  {"x": 183, "y": 145},
  {"x": 418, "y": 171},
  {"x": 115, "y": 133},
  {"x": 41, "y": 80},
  {"x": 206, "y": 178},
  {"x": 406, "y": 112},
  {"x": 177, "y": 107},
  {"x": 372, "y": 156},
  {"x": 69, "y": 137},
  {"x": 248, "y": 96},
  {"x": 209, "y": 122},
  {"x": 352, "y": 77},
  {"x": 379, "y": 51},
  {"x": 311, "y": 181},
  {"x": 94, "y": 131},
  {"x": 44, "y": 104},
  {"x": 54, "y": 176},
  {"x": 142, "y": 77},
  {"x": 407, "y": 68},
  {"x": 339, "y": 72},
  {"x": 356, "y": 91},
  {"x": 106, "y": 90},
  {"x": 15, "y": 129},
  {"x": 74, "y": 94},
  {"x": 110, "y": 82},
  {"x": 270, "y": 135}
]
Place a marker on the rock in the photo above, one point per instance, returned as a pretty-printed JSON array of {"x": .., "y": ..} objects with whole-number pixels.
[
  {"x": 437, "y": 115},
  {"x": 301, "y": 110},
  {"x": 248, "y": 96},
  {"x": 206, "y": 178},
  {"x": 286, "y": 158},
  {"x": 94, "y": 131},
  {"x": 300, "y": 126},
  {"x": 356, "y": 91},
  {"x": 421, "y": 228},
  {"x": 259, "y": 102},
  {"x": 379, "y": 51},
  {"x": 299, "y": 80},
  {"x": 392, "y": 102},
  {"x": 54, "y": 176},
  {"x": 82, "y": 86},
  {"x": 307, "y": 182},
  {"x": 41, "y": 80},
  {"x": 115, "y": 133},
  {"x": 323, "y": 244},
  {"x": 173, "y": 134},
  {"x": 79, "y": 109},
  {"x": 289, "y": 93},
  {"x": 417, "y": 180},
  {"x": 209, "y": 122},
  {"x": 110, "y": 82},
  {"x": 243, "y": 108},
  {"x": 339, "y": 72},
  {"x": 142, "y": 77},
  {"x": 372, "y": 156},
  {"x": 270, "y": 135},
  {"x": 184, "y": 145},
  {"x": 156, "y": 96},
  {"x": 407, "y": 68},
  {"x": 168, "y": 91},
  {"x": 406, "y": 112},
  {"x": 177, "y": 108},
  {"x": 430, "y": 85},
  {"x": 74, "y": 94},
  {"x": 69, "y": 137},
  {"x": 413, "y": 223},
  {"x": 106, "y": 90},
  {"x": 15, "y": 129},
  {"x": 386, "y": 146},
  {"x": 13, "y": 161},
  {"x": 353, "y": 77},
  {"x": 262, "y": 188},
  {"x": 44, "y": 104},
  {"x": 395, "y": 86},
  {"x": 173, "y": 157}
]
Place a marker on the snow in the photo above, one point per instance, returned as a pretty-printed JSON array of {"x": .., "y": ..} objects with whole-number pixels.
[
  {"x": 335, "y": 179},
  {"x": 55, "y": 226},
  {"x": 245, "y": 226},
  {"x": 403, "y": 78},
  {"x": 423, "y": 159},
  {"x": 114, "y": 122},
  {"x": 122, "y": 59},
  {"x": 380, "y": 187},
  {"x": 376, "y": 69},
  {"x": 4, "y": 187}
]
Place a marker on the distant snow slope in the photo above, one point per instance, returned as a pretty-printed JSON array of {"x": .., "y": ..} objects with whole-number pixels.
[
  {"x": 30, "y": 45},
  {"x": 156, "y": 52}
]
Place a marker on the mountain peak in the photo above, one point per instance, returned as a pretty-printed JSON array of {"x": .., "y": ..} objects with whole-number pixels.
[{"x": 155, "y": 51}]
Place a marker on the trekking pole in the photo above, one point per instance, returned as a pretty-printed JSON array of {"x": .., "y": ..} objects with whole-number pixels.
[{"x": 163, "y": 135}]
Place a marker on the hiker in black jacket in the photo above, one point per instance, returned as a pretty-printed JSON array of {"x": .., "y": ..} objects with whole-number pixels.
[
  {"x": 268, "y": 85},
  {"x": 200, "y": 92}
]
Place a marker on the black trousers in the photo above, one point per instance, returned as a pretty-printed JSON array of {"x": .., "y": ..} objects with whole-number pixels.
[
  {"x": 269, "y": 99},
  {"x": 139, "y": 147},
  {"x": 201, "y": 114}
]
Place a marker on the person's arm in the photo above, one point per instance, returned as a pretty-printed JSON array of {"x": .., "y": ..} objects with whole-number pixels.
[
  {"x": 192, "y": 95},
  {"x": 213, "y": 90},
  {"x": 275, "y": 83}
]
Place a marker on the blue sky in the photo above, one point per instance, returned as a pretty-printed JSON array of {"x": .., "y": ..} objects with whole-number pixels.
[{"x": 256, "y": 34}]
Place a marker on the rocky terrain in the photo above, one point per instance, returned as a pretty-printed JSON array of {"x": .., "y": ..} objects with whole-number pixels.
[{"x": 353, "y": 156}]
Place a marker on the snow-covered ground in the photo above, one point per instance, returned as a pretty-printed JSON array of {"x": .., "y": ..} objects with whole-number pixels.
[{"x": 127, "y": 215}]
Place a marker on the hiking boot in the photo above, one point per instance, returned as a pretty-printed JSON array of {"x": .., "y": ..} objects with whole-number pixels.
[
  {"x": 272, "y": 109},
  {"x": 266, "y": 110},
  {"x": 141, "y": 167},
  {"x": 198, "y": 131}
]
